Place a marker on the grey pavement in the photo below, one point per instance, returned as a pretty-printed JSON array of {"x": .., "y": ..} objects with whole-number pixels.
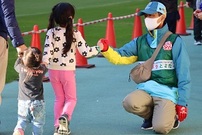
[{"x": 100, "y": 91}]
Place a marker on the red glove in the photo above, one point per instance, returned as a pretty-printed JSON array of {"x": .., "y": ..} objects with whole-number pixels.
[
  {"x": 182, "y": 112},
  {"x": 105, "y": 44}
]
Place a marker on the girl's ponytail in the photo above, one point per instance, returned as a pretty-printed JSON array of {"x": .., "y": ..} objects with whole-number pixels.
[{"x": 68, "y": 35}]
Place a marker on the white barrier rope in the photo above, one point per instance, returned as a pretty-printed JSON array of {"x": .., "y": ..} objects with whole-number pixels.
[
  {"x": 84, "y": 24},
  {"x": 33, "y": 32}
]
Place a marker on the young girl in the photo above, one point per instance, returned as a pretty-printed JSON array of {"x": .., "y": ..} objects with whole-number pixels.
[
  {"x": 59, "y": 53},
  {"x": 31, "y": 106}
]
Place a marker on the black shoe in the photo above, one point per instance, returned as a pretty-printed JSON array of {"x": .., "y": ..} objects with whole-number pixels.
[
  {"x": 147, "y": 124},
  {"x": 176, "y": 124},
  {"x": 64, "y": 125}
]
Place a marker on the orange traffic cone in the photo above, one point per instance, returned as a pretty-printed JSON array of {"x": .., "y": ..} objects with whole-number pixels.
[
  {"x": 36, "y": 42},
  {"x": 181, "y": 26},
  {"x": 110, "y": 33},
  {"x": 81, "y": 61},
  {"x": 191, "y": 27},
  {"x": 137, "y": 28}
]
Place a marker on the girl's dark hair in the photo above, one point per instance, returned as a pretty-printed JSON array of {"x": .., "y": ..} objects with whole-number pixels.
[
  {"x": 62, "y": 14},
  {"x": 33, "y": 57}
]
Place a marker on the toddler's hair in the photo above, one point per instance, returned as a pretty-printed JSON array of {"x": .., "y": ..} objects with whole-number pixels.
[
  {"x": 31, "y": 60},
  {"x": 33, "y": 57}
]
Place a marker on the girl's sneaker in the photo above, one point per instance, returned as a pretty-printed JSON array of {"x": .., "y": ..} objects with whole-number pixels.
[
  {"x": 64, "y": 125},
  {"x": 18, "y": 132}
]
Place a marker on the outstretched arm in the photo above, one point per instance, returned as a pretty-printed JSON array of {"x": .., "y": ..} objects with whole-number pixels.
[
  {"x": 123, "y": 56},
  {"x": 83, "y": 48}
]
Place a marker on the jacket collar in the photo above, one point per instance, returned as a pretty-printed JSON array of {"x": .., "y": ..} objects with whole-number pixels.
[{"x": 155, "y": 36}]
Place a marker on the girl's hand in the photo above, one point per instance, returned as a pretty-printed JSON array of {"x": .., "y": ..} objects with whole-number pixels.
[{"x": 99, "y": 43}]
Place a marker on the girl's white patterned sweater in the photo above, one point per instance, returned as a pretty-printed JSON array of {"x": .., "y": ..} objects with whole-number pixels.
[{"x": 55, "y": 39}]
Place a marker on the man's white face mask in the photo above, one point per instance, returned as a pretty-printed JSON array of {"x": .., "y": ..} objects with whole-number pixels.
[{"x": 151, "y": 23}]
